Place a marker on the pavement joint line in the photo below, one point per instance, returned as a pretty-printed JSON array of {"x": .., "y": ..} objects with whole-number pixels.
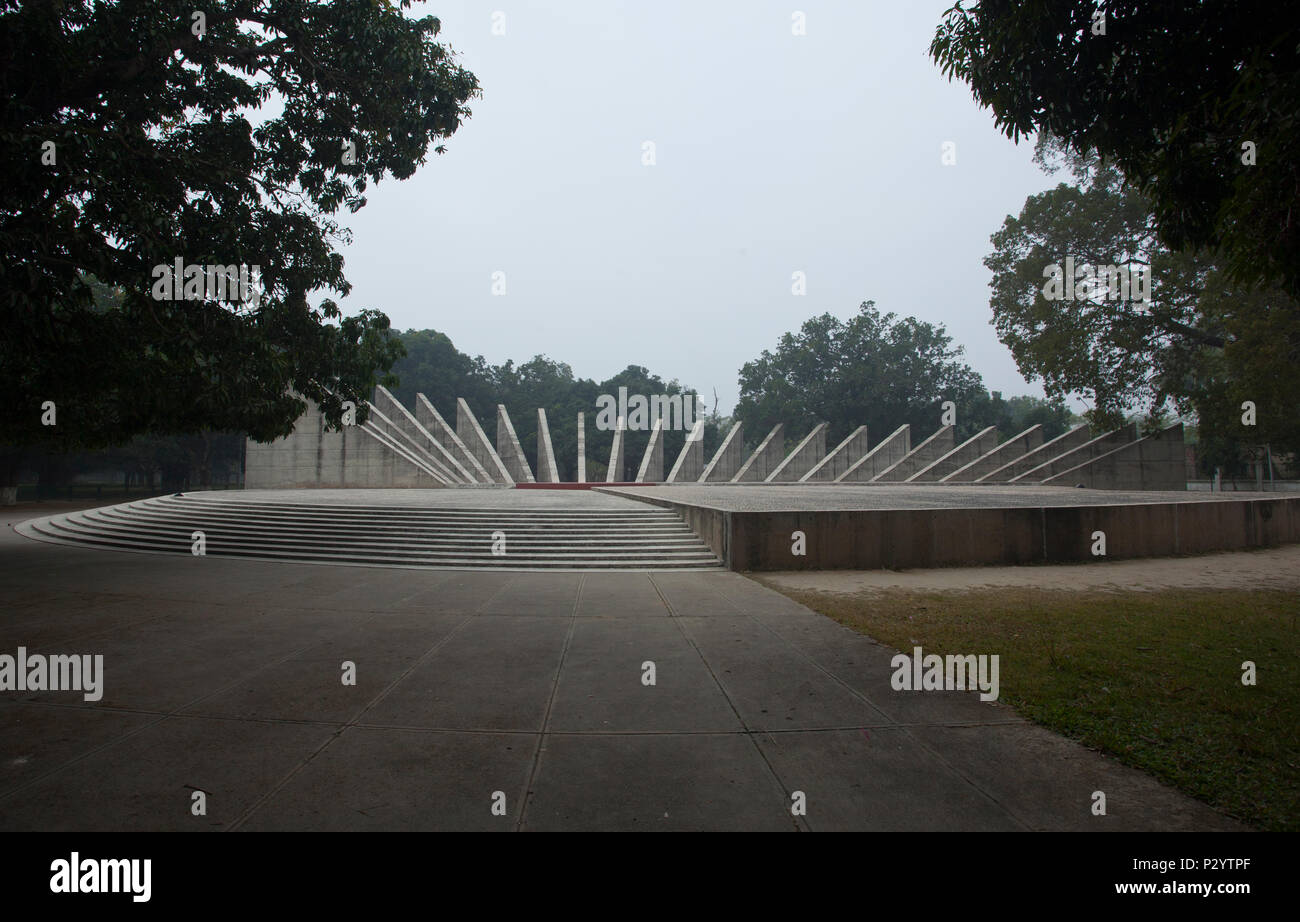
[
  {"x": 1011, "y": 814},
  {"x": 274, "y": 789},
  {"x": 78, "y": 638},
  {"x": 800, "y": 822},
  {"x": 165, "y": 716},
  {"x": 550, "y": 702},
  {"x": 491, "y": 731},
  {"x": 341, "y": 728}
]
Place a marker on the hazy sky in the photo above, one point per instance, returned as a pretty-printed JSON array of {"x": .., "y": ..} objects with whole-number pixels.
[{"x": 775, "y": 153}]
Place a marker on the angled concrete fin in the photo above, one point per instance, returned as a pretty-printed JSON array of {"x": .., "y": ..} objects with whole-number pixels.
[
  {"x": 726, "y": 460},
  {"x": 690, "y": 461},
  {"x": 976, "y": 446},
  {"x": 547, "y": 472},
  {"x": 471, "y": 433},
  {"x": 1090, "y": 449},
  {"x": 429, "y": 417},
  {"x": 508, "y": 447},
  {"x": 842, "y": 457},
  {"x": 889, "y": 452},
  {"x": 765, "y": 457},
  {"x": 1015, "y": 447},
  {"x": 614, "y": 473},
  {"x": 1067, "y": 441},
  {"x": 652, "y": 462},
  {"x": 420, "y": 437},
  {"x": 1156, "y": 462},
  {"x": 582, "y": 448},
  {"x": 802, "y": 458}
]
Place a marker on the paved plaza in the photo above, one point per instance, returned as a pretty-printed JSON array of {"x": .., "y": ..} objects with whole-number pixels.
[{"x": 523, "y": 691}]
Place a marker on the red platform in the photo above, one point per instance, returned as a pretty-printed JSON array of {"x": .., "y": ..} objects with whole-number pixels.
[{"x": 579, "y": 486}]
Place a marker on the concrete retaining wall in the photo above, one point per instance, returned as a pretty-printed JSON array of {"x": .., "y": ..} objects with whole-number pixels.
[{"x": 911, "y": 538}]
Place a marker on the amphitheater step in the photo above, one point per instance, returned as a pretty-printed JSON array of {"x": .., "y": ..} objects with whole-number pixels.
[{"x": 389, "y": 536}]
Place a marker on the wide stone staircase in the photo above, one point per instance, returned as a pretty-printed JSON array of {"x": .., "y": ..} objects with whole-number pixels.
[{"x": 389, "y": 535}]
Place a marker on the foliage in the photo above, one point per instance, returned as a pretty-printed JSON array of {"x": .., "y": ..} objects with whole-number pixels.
[
  {"x": 1172, "y": 93},
  {"x": 875, "y": 370},
  {"x": 219, "y": 148}
]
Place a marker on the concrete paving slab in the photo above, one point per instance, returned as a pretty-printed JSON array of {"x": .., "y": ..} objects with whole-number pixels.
[
  {"x": 880, "y": 780},
  {"x": 36, "y": 739},
  {"x": 492, "y": 673},
  {"x": 1048, "y": 782},
  {"x": 404, "y": 780},
  {"x": 309, "y": 685},
  {"x": 771, "y": 689},
  {"x": 620, "y": 595},
  {"x": 542, "y": 594},
  {"x": 602, "y": 684},
  {"x": 655, "y": 782},
  {"x": 463, "y": 591},
  {"x": 145, "y": 781}
]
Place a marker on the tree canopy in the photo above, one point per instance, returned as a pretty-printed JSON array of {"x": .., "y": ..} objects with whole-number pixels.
[
  {"x": 1198, "y": 104},
  {"x": 877, "y": 370},
  {"x": 138, "y": 133},
  {"x": 1200, "y": 345}
]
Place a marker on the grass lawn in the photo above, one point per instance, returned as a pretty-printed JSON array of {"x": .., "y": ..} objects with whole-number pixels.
[{"x": 1154, "y": 678}]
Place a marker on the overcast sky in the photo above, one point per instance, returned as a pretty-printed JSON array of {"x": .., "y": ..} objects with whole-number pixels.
[{"x": 775, "y": 153}]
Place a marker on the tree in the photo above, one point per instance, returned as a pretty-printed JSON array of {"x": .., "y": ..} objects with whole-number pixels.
[
  {"x": 1198, "y": 104},
  {"x": 1200, "y": 344},
  {"x": 873, "y": 369},
  {"x": 128, "y": 141}
]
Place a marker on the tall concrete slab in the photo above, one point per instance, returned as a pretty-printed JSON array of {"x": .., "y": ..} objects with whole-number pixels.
[
  {"x": 726, "y": 460},
  {"x": 976, "y": 446},
  {"x": 428, "y": 416},
  {"x": 1156, "y": 462},
  {"x": 884, "y": 456},
  {"x": 1013, "y": 448},
  {"x": 547, "y": 472},
  {"x": 420, "y": 437},
  {"x": 652, "y": 462},
  {"x": 933, "y": 448},
  {"x": 614, "y": 473},
  {"x": 844, "y": 456},
  {"x": 471, "y": 433},
  {"x": 1067, "y": 441},
  {"x": 690, "y": 461},
  {"x": 508, "y": 447},
  {"x": 311, "y": 456},
  {"x": 582, "y": 448},
  {"x": 766, "y": 456},
  {"x": 810, "y": 450},
  {"x": 392, "y": 434},
  {"x": 1090, "y": 449}
]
